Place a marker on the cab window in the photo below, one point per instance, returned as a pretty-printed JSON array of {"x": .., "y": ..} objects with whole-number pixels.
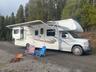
[{"x": 75, "y": 35}]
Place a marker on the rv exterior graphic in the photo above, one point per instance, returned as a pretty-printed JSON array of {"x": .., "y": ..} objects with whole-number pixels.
[{"x": 56, "y": 35}]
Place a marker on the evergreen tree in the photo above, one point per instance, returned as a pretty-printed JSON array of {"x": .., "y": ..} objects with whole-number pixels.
[
  {"x": 26, "y": 12},
  {"x": 2, "y": 24},
  {"x": 70, "y": 9},
  {"x": 93, "y": 2},
  {"x": 2, "y": 28},
  {"x": 20, "y": 15},
  {"x": 36, "y": 10},
  {"x": 45, "y": 9},
  {"x": 54, "y": 9},
  {"x": 7, "y": 20},
  {"x": 12, "y": 19}
]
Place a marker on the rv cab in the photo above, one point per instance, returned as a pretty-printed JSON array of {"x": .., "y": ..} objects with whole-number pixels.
[{"x": 71, "y": 41}]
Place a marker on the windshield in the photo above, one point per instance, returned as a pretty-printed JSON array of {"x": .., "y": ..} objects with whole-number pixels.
[{"x": 75, "y": 35}]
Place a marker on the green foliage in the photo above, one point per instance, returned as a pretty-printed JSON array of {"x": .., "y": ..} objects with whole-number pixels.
[
  {"x": 45, "y": 9},
  {"x": 2, "y": 21},
  {"x": 26, "y": 12},
  {"x": 81, "y": 10},
  {"x": 69, "y": 9},
  {"x": 7, "y": 20},
  {"x": 36, "y": 10},
  {"x": 12, "y": 19},
  {"x": 87, "y": 16},
  {"x": 54, "y": 9},
  {"x": 5, "y": 33},
  {"x": 20, "y": 15}
]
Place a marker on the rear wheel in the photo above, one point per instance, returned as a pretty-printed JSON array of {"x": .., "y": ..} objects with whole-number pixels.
[{"x": 77, "y": 50}]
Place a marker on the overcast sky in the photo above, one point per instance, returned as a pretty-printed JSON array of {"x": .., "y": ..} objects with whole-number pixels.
[{"x": 9, "y": 6}]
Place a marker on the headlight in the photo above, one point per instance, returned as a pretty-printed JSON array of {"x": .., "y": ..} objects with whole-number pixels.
[{"x": 86, "y": 43}]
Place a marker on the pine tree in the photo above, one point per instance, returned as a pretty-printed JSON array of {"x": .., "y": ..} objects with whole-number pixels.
[
  {"x": 36, "y": 10},
  {"x": 20, "y": 15},
  {"x": 2, "y": 24},
  {"x": 12, "y": 19},
  {"x": 54, "y": 9},
  {"x": 26, "y": 12},
  {"x": 32, "y": 9},
  {"x": 45, "y": 9},
  {"x": 2, "y": 28}
]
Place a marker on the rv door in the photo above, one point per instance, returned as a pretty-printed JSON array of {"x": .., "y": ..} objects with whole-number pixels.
[
  {"x": 17, "y": 33},
  {"x": 64, "y": 41}
]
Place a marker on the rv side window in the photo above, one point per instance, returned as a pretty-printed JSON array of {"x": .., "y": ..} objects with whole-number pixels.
[
  {"x": 41, "y": 31},
  {"x": 16, "y": 31},
  {"x": 36, "y": 32},
  {"x": 51, "y": 32},
  {"x": 22, "y": 31}
]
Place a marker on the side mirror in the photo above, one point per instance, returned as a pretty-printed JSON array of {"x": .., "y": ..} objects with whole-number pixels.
[{"x": 64, "y": 36}]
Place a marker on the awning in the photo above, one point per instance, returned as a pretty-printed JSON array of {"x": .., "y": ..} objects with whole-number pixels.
[{"x": 26, "y": 23}]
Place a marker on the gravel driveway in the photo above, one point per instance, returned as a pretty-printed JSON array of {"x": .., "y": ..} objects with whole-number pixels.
[{"x": 65, "y": 60}]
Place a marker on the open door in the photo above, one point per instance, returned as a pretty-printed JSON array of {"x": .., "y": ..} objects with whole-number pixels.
[{"x": 17, "y": 33}]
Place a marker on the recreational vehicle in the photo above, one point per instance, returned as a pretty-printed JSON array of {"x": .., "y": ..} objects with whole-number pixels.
[{"x": 55, "y": 35}]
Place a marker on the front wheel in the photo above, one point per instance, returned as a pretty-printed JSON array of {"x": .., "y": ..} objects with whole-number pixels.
[{"x": 77, "y": 50}]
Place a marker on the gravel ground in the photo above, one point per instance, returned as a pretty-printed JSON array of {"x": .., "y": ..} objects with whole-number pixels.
[
  {"x": 28, "y": 65},
  {"x": 5, "y": 57},
  {"x": 56, "y": 61},
  {"x": 31, "y": 66}
]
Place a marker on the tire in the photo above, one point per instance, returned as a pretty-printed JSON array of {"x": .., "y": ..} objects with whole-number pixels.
[{"x": 77, "y": 50}]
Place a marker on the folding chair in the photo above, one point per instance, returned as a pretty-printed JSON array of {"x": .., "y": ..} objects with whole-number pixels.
[
  {"x": 30, "y": 50},
  {"x": 41, "y": 51}
]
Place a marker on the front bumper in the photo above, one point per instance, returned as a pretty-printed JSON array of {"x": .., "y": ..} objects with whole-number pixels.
[{"x": 87, "y": 49}]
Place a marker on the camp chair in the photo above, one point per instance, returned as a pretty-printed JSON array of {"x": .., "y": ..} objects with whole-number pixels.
[
  {"x": 30, "y": 50},
  {"x": 41, "y": 51}
]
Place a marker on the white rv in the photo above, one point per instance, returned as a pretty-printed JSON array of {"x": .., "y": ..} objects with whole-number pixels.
[{"x": 55, "y": 35}]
